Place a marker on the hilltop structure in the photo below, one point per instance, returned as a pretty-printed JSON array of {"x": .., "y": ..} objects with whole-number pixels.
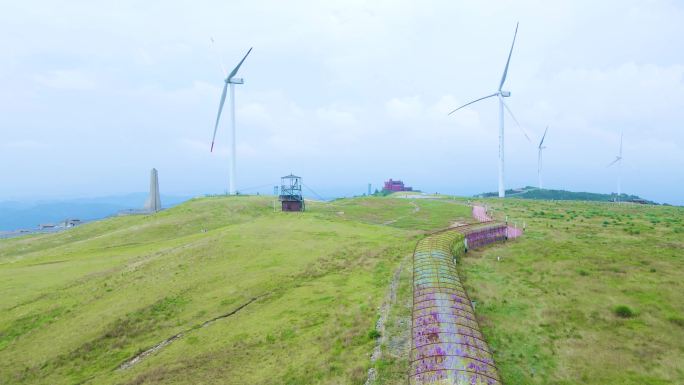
[
  {"x": 291, "y": 193},
  {"x": 153, "y": 203},
  {"x": 396, "y": 185}
]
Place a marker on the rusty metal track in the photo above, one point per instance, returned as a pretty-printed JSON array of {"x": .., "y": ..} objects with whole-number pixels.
[{"x": 447, "y": 345}]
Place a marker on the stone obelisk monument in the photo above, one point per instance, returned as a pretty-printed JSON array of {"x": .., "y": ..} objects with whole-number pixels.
[{"x": 153, "y": 203}]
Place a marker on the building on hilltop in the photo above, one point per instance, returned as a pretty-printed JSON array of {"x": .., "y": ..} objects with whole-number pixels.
[
  {"x": 396, "y": 185},
  {"x": 291, "y": 193}
]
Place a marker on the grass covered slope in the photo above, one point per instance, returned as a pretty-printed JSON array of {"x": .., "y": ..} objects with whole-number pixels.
[
  {"x": 77, "y": 304},
  {"x": 593, "y": 293}
]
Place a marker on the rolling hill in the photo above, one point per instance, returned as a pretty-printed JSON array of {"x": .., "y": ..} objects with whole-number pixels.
[
  {"x": 28, "y": 215},
  {"x": 562, "y": 195},
  {"x": 224, "y": 290}
]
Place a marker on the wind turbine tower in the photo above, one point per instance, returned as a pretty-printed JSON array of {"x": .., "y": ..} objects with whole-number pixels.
[
  {"x": 501, "y": 94},
  {"x": 618, "y": 160},
  {"x": 232, "y": 81},
  {"x": 539, "y": 158}
]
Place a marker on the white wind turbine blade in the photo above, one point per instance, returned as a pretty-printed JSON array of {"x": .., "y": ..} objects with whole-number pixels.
[
  {"x": 235, "y": 70},
  {"x": 223, "y": 67},
  {"x": 543, "y": 137},
  {"x": 516, "y": 121},
  {"x": 474, "y": 101},
  {"x": 503, "y": 77},
  {"x": 218, "y": 117},
  {"x": 617, "y": 159}
]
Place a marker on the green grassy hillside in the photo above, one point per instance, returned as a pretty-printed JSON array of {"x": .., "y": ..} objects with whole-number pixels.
[
  {"x": 593, "y": 293},
  {"x": 77, "y": 304},
  {"x": 553, "y": 303}
]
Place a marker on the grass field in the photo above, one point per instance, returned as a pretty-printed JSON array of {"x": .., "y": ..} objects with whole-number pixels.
[
  {"x": 75, "y": 305},
  {"x": 553, "y": 306},
  {"x": 592, "y": 294}
]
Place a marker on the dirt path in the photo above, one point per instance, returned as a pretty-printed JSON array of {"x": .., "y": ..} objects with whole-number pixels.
[
  {"x": 139, "y": 357},
  {"x": 389, "y": 300},
  {"x": 480, "y": 213},
  {"x": 416, "y": 209}
]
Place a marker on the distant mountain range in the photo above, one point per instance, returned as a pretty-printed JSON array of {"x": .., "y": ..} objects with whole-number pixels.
[
  {"x": 28, "y": 215},
  {"x": 530, "y": 192}
]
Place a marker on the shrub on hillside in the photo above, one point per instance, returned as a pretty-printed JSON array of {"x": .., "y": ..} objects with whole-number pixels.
[
  {"x": 373, "y": 334},
  {"x": 679, "y": 321},
  {"x": 624, "y": 311}
]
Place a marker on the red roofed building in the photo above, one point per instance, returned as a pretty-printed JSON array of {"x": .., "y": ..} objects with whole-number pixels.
[{"x": 396, "y": 185}]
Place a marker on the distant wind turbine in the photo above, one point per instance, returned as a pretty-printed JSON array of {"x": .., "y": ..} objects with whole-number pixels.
[
  {"x": 541, "y": 148},
  {"x": 500, "y": 93},
  {"x": 618, "y": 160},
  {"x": 232, "y": 81}
]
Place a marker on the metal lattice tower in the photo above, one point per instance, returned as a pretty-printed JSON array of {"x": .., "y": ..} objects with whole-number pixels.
[{"x": 291, "y": 193}]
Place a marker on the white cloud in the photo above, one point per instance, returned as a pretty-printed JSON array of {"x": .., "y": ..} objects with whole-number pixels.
[
  {"x": 465, "y": 117},
  {"x": 336, "y": 117},
  {"x": 624, "y": 92},
  {"x": 405, "y": 108},
  {"x": 359, "y": 87},
  {"x": 254, "y": 112},
  {"x": 67, "y": 80}
]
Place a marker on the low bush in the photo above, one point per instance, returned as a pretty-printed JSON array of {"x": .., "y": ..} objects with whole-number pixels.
[
  {"x": 373, "y": 334},
  {"x": 679, "y": 321},
  {"x": 624, "y": 311}
]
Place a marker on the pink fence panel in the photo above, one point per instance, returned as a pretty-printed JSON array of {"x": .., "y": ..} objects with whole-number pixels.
[{"x": 513, "y": 232}]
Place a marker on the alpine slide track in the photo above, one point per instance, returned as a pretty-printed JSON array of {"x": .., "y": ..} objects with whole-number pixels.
[{"x": 447, "y": 346}]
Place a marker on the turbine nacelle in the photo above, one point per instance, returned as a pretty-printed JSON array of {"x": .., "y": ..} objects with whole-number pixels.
[
  {"x": 236, "y": 81},
  {"x": 505, "y": 94}
]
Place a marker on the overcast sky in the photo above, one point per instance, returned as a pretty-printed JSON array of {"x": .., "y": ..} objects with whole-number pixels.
[{"x": 344, "y": 93}]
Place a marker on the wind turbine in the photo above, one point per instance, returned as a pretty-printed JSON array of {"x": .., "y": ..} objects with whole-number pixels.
[
  {"x": 500, "y": 94},
  {"x": 618, "y": 160},
  {"x": 232, "y": 81},
  {"x": 541, "y": 147}
]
